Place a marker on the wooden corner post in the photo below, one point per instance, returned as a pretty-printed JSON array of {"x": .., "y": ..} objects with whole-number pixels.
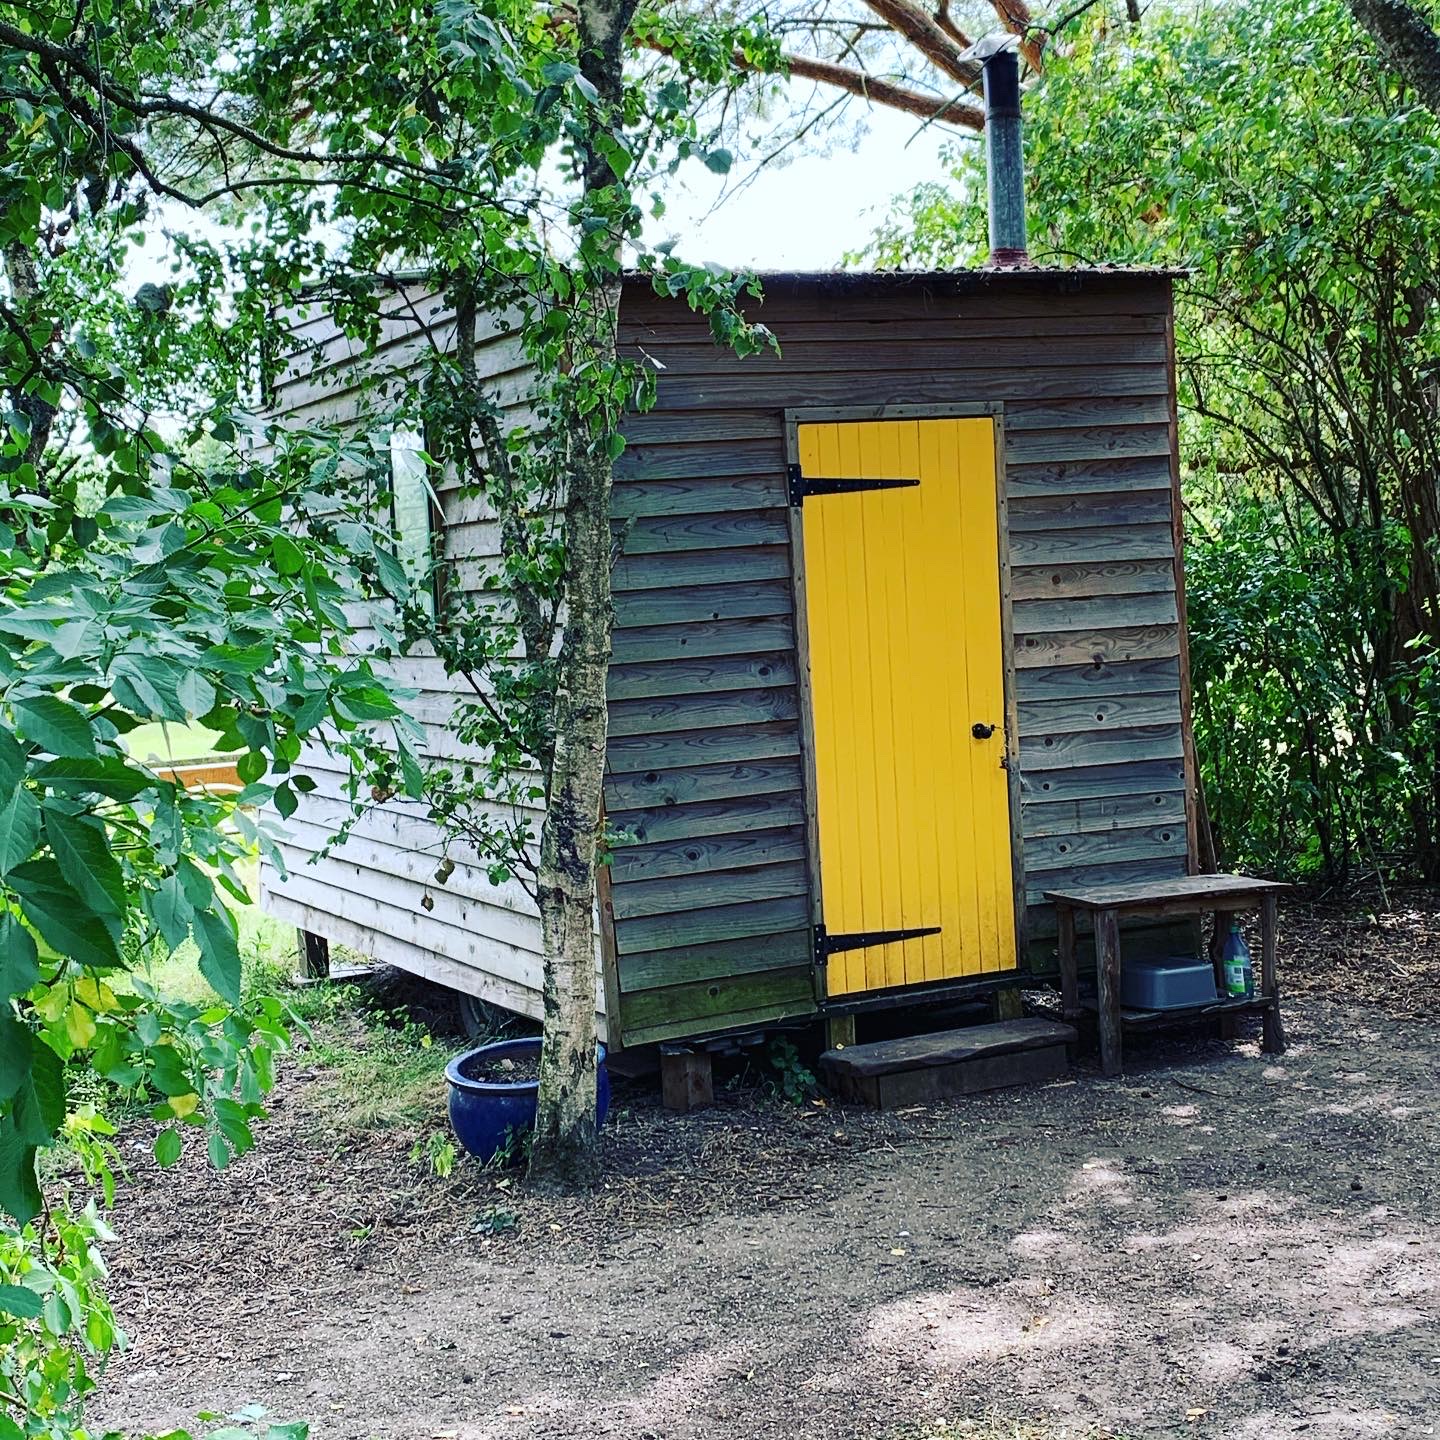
[
  {"x": 686, "y": 1078},
  {"x": 314, "y": 956}
]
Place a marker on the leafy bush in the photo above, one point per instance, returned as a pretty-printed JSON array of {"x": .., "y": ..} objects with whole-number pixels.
[{"x": 1266, "y": 147}]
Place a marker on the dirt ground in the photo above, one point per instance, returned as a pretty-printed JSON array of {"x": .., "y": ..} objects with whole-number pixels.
[{"x": 1220, "y": 1243}]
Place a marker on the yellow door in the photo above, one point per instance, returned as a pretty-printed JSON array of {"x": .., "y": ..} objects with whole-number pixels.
[{"x": 902, "y": 598}]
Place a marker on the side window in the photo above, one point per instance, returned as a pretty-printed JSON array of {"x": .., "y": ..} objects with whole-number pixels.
[{"x": 414, "y": 513}]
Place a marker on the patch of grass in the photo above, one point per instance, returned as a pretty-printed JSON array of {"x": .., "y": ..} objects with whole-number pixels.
[
  {"x": 379, "y": 1068},
  {"x": 378, "y": 1075},
  {"x": 170, "y": 744},
  {"x": 269, "y": 951}
]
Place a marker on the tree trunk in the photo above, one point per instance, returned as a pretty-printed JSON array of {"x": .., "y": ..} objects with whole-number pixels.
[
  {"x": 23, "y": 276},
  {"x": 563, "y": 1153},
  {"x": 1407, "y": 43}
]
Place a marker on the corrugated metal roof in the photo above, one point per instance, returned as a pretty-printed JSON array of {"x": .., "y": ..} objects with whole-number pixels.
[
  {"x": 843, "y": 279},
  {"x": 857, "y": 279}
]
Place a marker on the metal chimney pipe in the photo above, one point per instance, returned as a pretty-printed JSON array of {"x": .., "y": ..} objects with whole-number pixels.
[{"x": 1005, "y": 157}]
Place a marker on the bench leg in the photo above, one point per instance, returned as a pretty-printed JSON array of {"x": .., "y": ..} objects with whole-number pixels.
[
  {"x": 1107, "y": 976},
  {"x": 1069, "y": 971},
  {"x": 1218, "y": 921},
  {"x": 1274, "y": 1029}
]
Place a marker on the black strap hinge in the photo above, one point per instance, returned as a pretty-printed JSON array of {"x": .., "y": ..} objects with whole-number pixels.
[
  {"x": 827, "y": 944},
  {"x": 800, "y": 487}
]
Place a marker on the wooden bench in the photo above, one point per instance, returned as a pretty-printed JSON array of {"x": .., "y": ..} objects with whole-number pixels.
[
  {"x": 217, "y": 773},
  {"x": 916, "y": 1069},
  {"x": 1188, "y": 895}
]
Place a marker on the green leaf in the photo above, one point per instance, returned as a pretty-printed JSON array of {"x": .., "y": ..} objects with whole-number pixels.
[
  {"x": 286, "y": 801},
  {"x": 19, "y": 958},
  {"x": 82, "y": 851},
  {"x": 38, "y": 1109},
  {"x": 21, "y": 1302},
  {"x": 171, "y": 911},
  {"x": 19, "y": 828},
  {"x": 719, "y": 161},
  {"x": 168, "y": 1146},
  {"x": 286, "y": 555},
  {"x": 19, "y": 1187},
  {"x": 55, "y": 725},
  {"x": 392, "y": 574},
  {"x": 218, "y": 1151},
  {"x": 196, "y": 693},
  {"x": 148, "y": 685},
  {"x": 12, "y": 760},
  {"x": 413, "y": 776},
  {"x": 65, "y": 921},
  {"x": 251, "y": 766},
  {"x": 153, "y": 299},
  {"x": 15, "y": 1048},
  {"x": 365, "y": 702},
  {"x": 238, "y": 659},
  {"x": 196, "y": 884},
  {"x": 234, "y": 1124},
  {"x": 219, "y": 954},
  {"x": 168, "y": 1073},
  {"x": 109, "y": 776}
]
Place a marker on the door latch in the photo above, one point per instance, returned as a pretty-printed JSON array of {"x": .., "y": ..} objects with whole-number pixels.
[{"x": 981, "y": 731}]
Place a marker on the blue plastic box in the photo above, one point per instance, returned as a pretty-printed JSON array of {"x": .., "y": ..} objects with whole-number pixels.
[{"x": 1167, "y": 983}]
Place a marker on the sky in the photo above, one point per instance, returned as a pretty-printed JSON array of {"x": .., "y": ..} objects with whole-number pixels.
[{"x": 807, "y": 214}]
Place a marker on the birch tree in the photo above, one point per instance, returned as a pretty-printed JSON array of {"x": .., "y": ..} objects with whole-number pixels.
[
  {"x": 524, "y": 208},
  {"x": 1407, "y": 42},
  {"x": 613, "y": 158},
  {"x": 563, "y": 1150},
  {"x": 167, "y": 555}
]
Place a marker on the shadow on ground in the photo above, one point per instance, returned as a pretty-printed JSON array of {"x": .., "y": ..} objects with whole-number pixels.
[{"x": 1220, "y": 1243}]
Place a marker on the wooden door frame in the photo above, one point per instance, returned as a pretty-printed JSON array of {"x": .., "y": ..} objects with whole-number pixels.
[{"x": 994, "y": 411}]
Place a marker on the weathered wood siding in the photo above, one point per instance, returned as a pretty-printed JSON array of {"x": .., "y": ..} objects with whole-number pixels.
[
  {"x": 370, "y": 892},
  {"x": 710, "y": 899},
  {"x": 710, "y": 902}
]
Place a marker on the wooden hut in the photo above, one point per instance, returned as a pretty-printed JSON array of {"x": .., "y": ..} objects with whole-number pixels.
[{"x": 899, "y": 646}]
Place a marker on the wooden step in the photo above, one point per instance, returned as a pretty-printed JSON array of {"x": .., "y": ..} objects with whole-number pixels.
[{"x": 918, "y": 1068}]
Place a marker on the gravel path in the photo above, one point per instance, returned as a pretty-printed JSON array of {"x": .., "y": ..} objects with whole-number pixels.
[{"x": 1221, "y": 1243}]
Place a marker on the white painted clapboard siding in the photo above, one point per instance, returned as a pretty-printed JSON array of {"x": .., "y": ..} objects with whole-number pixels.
[{"x": 370, "y": 892}]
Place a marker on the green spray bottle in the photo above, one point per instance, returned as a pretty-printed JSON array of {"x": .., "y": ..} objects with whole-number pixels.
[{"x": 1239, "y": 969}]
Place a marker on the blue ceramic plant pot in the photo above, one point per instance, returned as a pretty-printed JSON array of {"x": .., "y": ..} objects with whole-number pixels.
[{"x": 487, "y": 1113}]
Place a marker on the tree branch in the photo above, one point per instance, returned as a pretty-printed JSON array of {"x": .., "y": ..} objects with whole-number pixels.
[
  {"x": 1015, "y": 16},
  {"x": 943, "y": 20},
  {"x": 910, "y": 22},
  {"x": 1407, "y": 44},
  {"x": 955, "y": 110},
  {"x": 150, "y": 106}
]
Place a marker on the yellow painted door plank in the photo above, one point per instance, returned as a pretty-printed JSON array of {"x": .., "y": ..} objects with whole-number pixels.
[{"x": 905, "y": 654}]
